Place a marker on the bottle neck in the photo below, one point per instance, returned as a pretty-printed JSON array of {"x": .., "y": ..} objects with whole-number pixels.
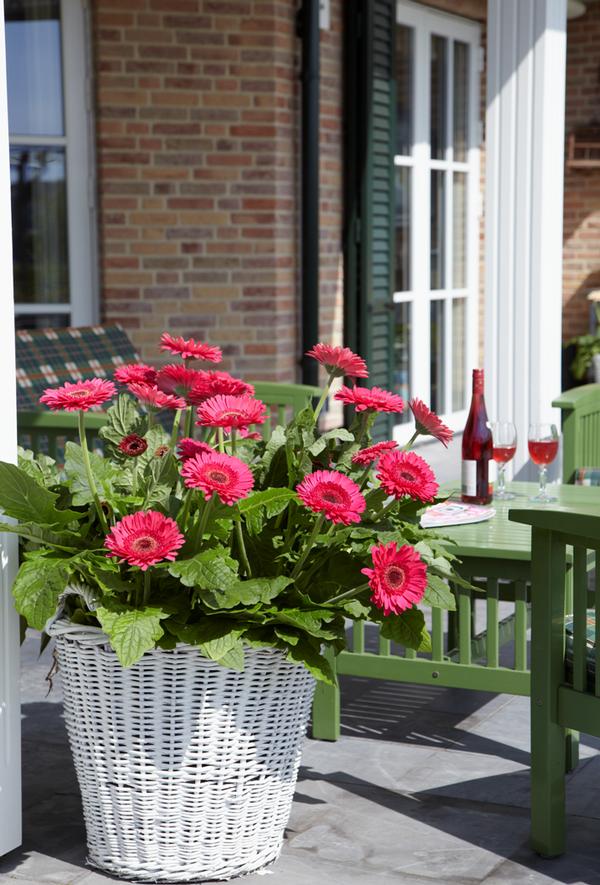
[{"x": 478, "y": 382}]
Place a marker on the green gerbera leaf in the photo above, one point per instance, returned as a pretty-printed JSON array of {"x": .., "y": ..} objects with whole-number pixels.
[
  {"x": 131, "y": 631},
  {"x": 37, "y": 588},
  {"x": 212, "y": 569},
  {"x": 407, "y": 629},
  {"x": 22, "y": 498}
]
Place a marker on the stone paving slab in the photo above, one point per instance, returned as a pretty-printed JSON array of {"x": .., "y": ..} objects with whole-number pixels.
[{"x": 426, "y": 785}]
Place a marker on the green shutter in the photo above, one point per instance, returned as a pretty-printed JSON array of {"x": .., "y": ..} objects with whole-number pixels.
[{"x": 369, "y": 191}]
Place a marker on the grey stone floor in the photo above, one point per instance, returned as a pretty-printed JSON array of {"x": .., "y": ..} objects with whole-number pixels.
[{"x": 426, "y": 785}]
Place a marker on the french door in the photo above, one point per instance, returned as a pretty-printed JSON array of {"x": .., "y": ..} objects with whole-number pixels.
[{"x": 437, "y": 208}]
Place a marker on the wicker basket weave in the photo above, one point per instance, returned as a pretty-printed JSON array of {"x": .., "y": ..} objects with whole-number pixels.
[{"x": 186, "y": 769}]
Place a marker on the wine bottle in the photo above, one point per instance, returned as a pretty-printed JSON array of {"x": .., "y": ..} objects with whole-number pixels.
[{"x": 476, "y": 448}]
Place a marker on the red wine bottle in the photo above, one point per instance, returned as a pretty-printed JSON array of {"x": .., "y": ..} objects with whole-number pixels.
[{"x": 476, "y": 448}]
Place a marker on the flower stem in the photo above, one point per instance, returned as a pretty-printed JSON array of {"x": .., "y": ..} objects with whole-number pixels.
[
  {"x": 364, "y": 477},
  {"x": 324, "y": 396},
  {"x": 233, "y": 440},
  {"x": 221, "y": 440},
  {"x": 308, "y": 546},
  {"x": 240, "y": 539},
  {"x": 385, "y": 509},
  {"x": 134, "y": 472},
  {"x": 189, "y": 417},
  {"x": 146, "y": 586},
  {"x": 348, "y": 594},
  {"x": 183, "y": 515},
  {"x": 175, "y": 429},
  {"x": 88, "y": 470},
  {"x": 411, "y": 441},
  {"x": 203, "y": 521}
]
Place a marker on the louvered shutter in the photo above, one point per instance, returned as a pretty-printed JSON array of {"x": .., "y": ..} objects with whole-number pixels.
[{"x": 370, "y": 115}]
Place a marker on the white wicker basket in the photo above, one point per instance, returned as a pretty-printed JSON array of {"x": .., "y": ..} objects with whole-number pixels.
[{"x": 186, "y": 769}]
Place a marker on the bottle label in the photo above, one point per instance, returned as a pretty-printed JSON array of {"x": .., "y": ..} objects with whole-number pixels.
[{"x": 469, "y": 478}]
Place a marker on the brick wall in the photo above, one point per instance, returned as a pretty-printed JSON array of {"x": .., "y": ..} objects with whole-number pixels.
[
  {"x": 581, "y": 271},
  {"x": 197, "y": 110}
]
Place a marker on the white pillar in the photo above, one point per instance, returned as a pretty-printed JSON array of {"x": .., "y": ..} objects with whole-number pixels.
[
  {"x": 525, "y": 117},
  {"x": 10, "y": 734}
]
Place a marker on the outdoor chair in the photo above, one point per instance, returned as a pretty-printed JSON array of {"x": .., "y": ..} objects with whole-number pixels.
[
  {"x": 565, "y": 658},
  {"x": 580, "y": 420}
]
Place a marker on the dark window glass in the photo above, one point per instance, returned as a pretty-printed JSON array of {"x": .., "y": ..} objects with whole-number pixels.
[
  {"x": 402, "y": 334},
  {"x": 437, "y": 361},
  {"x": 458, "y": 354},
  {"x": 403, "y": 188},
  {"x": 438, "y": 232},
  {"x": 439, "y": 91},
  {"x": 404, "y": 89},
  {"x": 461, "y": 100}
]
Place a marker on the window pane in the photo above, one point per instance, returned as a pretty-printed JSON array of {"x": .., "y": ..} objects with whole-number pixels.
[
  {"x": 437, "y": 362},
  {"x": 438, "y": 233},
  {"x": 402, "y": 357},
  {"x": 42, "y": 321},
  {"x": 403, "y": 176},
  {"x": 439, "y": 87},
  {"x": 461, "y": 100},
  {"x": 39, "y": 225},
  {"x": 404, "y": 89},
  {"x": 459, "y": 230},
  {"x": 34, "y": 67},
  {"x": 458, "y": 354}
]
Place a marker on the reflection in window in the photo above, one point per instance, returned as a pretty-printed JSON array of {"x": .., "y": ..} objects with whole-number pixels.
[
  {"x": 42, "y": 321},
  {"x": 438, "y": 234},
  {"x": 458, "y": 354},
  {"x": 402, "y": 356},
  {"x": 459, "y": 230},
  {"x": 461, "y": 100},
  {"x": 34, "y": 67},
  {"x": 438, "y": 97},
  {"x": 403, "y": 176},
  {"x": 39, "y": 222},
  {"x": 404, "y": 90},
  {"x": 437, "y": 356}
]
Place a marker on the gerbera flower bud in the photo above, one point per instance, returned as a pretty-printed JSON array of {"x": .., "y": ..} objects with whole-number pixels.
[
  {"x": 399, "y": 578},
  {"x": 406, "y": 474},
  {"x": 428, "y": 423},
  {"x": 133, "y": 445},
  {"x": 332, "y": 493},
  {"x": 144, "y": 538},
  {"x": 224, "y": 475},
  {"x": 79, "y": 396},
  {"x": 372, "y": 399},
  {"x": 189, "y": 349},
  {"x": 231, "y": 412},
  {"x": 339, "y": 361}
]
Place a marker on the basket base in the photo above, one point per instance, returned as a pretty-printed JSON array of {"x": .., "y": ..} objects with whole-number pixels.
[{"x": 224, "y": 874}]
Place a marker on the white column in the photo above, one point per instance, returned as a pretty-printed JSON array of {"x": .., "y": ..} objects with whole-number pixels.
[
  {"x": 10, "y": 735},
  {"x": 525, "y": 116}
]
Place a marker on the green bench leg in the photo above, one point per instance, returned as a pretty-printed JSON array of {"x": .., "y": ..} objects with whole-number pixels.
[
  {"x": 326, "y": 708},
  {"x": 571, "y": 749}
]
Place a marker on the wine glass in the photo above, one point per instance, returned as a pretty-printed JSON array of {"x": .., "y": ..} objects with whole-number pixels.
[
  {"x": 543, "y": 446},
  {"x": 504, "y": 446}
]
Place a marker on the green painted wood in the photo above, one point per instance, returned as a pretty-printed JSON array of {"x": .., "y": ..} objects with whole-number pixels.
[
  {"x": 492, "y": 624},
  {"x": 358, "y": 637},
  {"x": 464, "y": 626},
  {"x": 578, "y": 709},
  {"x": 580, "y": 421},
  {"x": 521, "y": 625},
  {"x": 326, "y": 707},
  {"x": 579, "y": 619},
  {"x": 284, "y": 400},
  {"x": 384, "y": 646},
  {"x": 437, "y": 634}
]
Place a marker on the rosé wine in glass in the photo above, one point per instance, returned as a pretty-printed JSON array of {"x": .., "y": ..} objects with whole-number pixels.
[
  {"x": 543, "y": 447},
  {"x": 504, "y": 446}
]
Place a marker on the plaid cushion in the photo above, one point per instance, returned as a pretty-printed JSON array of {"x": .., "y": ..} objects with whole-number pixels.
[
  {"x": 49, "y": 357},
  {"x": 590, "y": 643},
  {"x": 587, "y": 476}
]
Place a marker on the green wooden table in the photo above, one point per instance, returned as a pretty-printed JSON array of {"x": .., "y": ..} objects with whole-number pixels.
[{"x": 496, "y": 557}]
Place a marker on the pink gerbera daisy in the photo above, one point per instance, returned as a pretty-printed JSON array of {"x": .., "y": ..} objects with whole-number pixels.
[
  {"x": 373, "y": 399},
  {"x": 231, "y": 412},
  {"x": 339, "y": 361},
  {"x": 332, "y": 493},
  {"x": 211, "y": 384},
  {"x": 404, "y": 473},
  {"x": 135, "y": 372},
  {"x": 144, "y": 538},
  {"x": 215, "y": 473},
  {"x": 372, "y": 453},
  {"x": 177, "y": 379},
  {"x": 154, "y": 398},
  {"x": 399, "y": 578},
  {"x": 133, "y": 445},
  {"x": 427, "y": 422},
  {"x": 188, "y": 447},
  {"x": 79, "y": 396},
  {"x": 189, "y": 349}
]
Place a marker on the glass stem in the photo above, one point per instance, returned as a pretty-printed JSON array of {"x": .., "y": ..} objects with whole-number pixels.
[
  {"x": 501, "y": 479},
  {"x": 543, "y": 475}
]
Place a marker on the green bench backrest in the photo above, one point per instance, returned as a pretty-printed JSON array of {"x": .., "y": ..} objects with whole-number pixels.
[{"x": 580, "y": 410}]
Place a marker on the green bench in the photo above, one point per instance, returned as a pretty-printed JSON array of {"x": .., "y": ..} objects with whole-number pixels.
[
  {"x": 580, "y": 424},
  {"x": 565, "y": 658}
]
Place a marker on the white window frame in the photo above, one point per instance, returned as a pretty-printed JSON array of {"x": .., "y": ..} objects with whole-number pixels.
[
  {"x": 426, "y": 22},
  {"x": 78, "y": 142}
]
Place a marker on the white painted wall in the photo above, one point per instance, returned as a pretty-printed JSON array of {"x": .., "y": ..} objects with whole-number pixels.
[
  {"x": 10, "y": 737},
  {"x": 524, "y": 212}
]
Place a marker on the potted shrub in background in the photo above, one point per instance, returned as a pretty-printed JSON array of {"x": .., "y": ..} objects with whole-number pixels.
[
  {"x": 587, "y": 347},
  {"x": 193, "y": 584}
]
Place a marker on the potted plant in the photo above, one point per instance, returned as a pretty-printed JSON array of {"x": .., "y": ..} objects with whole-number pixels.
[
  {"x": 587, "y": 347},
  {"x": 194, "y": 584}
]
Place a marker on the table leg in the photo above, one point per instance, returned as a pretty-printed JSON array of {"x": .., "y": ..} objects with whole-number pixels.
[{"x": 326, "y": 708}]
